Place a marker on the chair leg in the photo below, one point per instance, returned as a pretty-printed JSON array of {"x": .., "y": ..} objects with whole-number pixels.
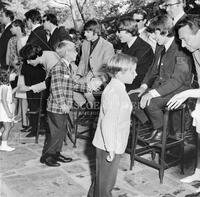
[
  {"x": 76, "y": 127},
  {"x": 182, "y": 136},
  {"x": 163, "y": 150},
  {"x": 133, "y": 143}
]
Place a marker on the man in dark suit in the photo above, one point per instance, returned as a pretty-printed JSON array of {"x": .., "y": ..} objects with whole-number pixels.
[
  {"x": 175, "y": 9},
  {"x": 57, "y": 34},
  {"x": 6, "y": 18},
  {"x": 169, "y": 74},
  {"x": 137, "y": 47},
  {"x": 34, "y": 75}
]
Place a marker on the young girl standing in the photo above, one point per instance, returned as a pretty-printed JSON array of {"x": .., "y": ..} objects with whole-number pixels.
[
  {"x": 6, "y": 115},
  {"x": 111, "y": 136}
]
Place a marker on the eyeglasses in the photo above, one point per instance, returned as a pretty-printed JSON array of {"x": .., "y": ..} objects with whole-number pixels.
[
  {"x": 170, "y": 4},
  {"x": 121, "y": 29},
  {"x": 138, "y": 20}
]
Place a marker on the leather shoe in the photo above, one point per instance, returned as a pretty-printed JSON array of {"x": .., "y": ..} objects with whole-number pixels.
[
  {"x": 50, "y": 161},
  {"x": 153, "y": 135},
  {"x": 63, "y": 159},
  {"x": 31, "y": 134}
]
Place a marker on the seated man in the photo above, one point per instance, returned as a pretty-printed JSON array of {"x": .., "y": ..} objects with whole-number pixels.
[
  {"x": 96, "y": 51},
  {"x": 169, "y": 74}
]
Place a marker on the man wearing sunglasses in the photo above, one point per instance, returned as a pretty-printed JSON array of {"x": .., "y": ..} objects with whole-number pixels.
[
  {"x": 135, "y": 46},
  {"x": 140, "y": 17},
  {"x": 57, "y": 34},
  {"x": 175, "y": 9}
]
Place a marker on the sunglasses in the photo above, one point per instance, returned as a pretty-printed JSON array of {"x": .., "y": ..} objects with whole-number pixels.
[
  {"x": 170, "y": 4},
  {"x": 138, "y": 20},
  {"x": 121, "y": 29}
]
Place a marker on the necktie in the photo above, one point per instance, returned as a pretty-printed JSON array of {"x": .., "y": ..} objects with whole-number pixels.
[{"x": 161, "y": 57}]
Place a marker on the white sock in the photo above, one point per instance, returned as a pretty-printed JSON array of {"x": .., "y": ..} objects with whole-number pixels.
[{"x": 4, "y": 143}]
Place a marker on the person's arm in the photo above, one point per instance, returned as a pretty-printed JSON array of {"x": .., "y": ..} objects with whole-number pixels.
[
  {"x": 180, "y": 98},
  {"x": 8, "y": 53},
  {"x": 4, "y": 102},
  {"x": 109, "y": 124}
]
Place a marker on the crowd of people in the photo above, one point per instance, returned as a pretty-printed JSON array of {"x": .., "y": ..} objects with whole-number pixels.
[{"x": 156, "y": 64}]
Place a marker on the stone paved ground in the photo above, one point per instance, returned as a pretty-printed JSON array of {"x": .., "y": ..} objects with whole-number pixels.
[{"x": 22, "y": 175}]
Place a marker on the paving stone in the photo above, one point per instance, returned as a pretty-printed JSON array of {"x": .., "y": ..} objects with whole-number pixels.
[{"x": 24, "y": 176}]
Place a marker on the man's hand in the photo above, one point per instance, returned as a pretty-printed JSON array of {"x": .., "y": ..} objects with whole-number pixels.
[
  {"x": 177, "y": 100},
  {"x": 111, "y": 156},
  {"x": 65, "y": 109},
  {"x": 145, "y": 100},
  {"x": 140, "y": 90},
  {"x": 76, "y": 77},
  {"x": 24, "y": 88},
  {"x": 95, "y": 84}
]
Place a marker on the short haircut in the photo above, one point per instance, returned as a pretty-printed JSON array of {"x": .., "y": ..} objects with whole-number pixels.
[
  {"x": 9, "y": 14},
  {"x": 129, "y": 25},
  {"x": 52, "y": 18},
  {"x": 141, "y": 12},
  {"x": 31, "y": 52},
  {"x": 4, "y": 76},
  {"x": 65, "y": 43},
  {"x": 19, "y": 23},
  {"x": 34, "y": 15},
  {"x": 163, "y": 23},
  {"x": 119, "y": 62},
  {"x": 192, "y": 21},
  {"x": 92, "y": 25}
]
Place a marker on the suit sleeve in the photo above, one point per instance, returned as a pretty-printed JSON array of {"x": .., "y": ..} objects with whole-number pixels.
[
  {"x": 39, "y": 38},
  {"x": 82, "y": 67},
  {"x": 144, "y": 63}
]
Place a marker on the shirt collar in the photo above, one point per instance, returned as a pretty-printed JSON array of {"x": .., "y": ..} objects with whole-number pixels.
[
  {"x": 118, "y": 83},
  {"x": 7, "y": 25},
  {"x": 141, "y": 30},
  {"x": 65, "y": 61},
  {"x": 132, "y": 41},
  {"x": 53, "y": 30},
  {"x": 35, "y": 26},
  {"x": 168, "y": 44},
  {"x": 178, "y": 17}
]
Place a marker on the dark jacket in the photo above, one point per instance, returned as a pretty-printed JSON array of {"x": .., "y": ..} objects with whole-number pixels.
[
  {"x": 175, "y": 71},
  {"x": 5, "y": 37},
  {"x": 144, "y": 53},
  {"x": 58, "y": 35}
]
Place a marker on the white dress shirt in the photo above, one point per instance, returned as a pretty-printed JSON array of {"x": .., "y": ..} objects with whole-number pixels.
[{"x": 114, "y": 119}]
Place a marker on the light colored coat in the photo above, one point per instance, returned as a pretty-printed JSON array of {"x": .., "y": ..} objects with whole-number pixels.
[
  {"x": 114, "y": 119},
  {"x": 102, "y": 52}
]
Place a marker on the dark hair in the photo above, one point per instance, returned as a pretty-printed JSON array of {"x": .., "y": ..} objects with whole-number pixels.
[
  {"x": 93, "y": 26},
  {"x": 129, "y": 25},
  {"x": 9, "y": 14},
  {"x": 141, "y": 12},
  {"x": 191, "y": 20},
  {"x": 19, "y": 23},
  {"x": 52, "y": 18},
  {"x": 72, "y": 31},
  {"x": 30, "y": 52},
  {"x": 163, "y": 24},
  {"x": 4, "y": 76},
  {"x": 34, "y": 15}
]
